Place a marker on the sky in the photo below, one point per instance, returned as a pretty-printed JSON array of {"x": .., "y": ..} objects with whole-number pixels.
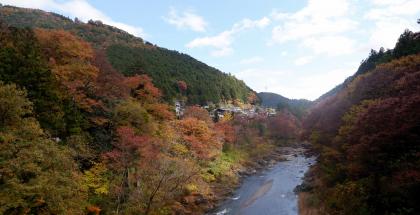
[{"x": 296, "y": 48}]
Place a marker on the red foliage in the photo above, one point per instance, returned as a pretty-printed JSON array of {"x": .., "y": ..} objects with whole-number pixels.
[
  {"x": 198, "y": 113},
  {"x": 226, "y": 132},
  {"x": 160, "y": 111},
  {"x": 70, "y": 60},
  {"x": 110, "y": 83},
  {"x": 182, "y": 86},
  {"x": 199, "y": 138},
  {"x": 143, "y": 89},
  {"x": 129, "y": 149},
  {"x": 283, "y": 126}
]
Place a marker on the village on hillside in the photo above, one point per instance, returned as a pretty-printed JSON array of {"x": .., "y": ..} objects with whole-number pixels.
[{"x": 222, "y": 110}]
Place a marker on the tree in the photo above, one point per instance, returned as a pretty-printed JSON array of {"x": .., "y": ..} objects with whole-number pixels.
[
  {"x": 182, "y": 86},
  {"x": 143, "y": 89},
  {"x": 110, "y": 83},
  {"x": 283, "y": 126},
  {"x": 162, "y": 180},
  {"x": 14, "y": 105},
  {"x": 199, "y": 138},
  {"x": 160, "y": 111},
  {"x": 226, "y": 132},
  {"x": 131, "y": 113},
  {"x": 70, "y": 58},
  {"x": 198, "y": 113},
  {"x": 22, "y": 63},
  {"x": 252, "y": 98},
  {"x": 37, "y": 175},
  {"x": 124, "y": 161}
]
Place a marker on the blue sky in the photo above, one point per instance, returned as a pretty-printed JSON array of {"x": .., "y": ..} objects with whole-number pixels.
[{"x": 297, "y": 48}]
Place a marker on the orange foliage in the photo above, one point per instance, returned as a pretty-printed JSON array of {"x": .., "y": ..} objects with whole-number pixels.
[
  {"x": 160, "y": 111},
  {"x": 143, "y": 89},
  {"x": 226, "y": 131},
  {"x": 199, "y": 138},
  {"x": 252, "y": 98},
  {"x": 93, "y": 210},
  {"x": 69, "y": 59},
  {"x": 198, "y": 113}
]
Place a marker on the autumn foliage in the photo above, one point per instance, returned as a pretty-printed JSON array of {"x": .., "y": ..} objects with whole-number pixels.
[
  {"x": 199, "y": 138},
  {"x": 70, "y": 60},
  {"x": 77, "y": 136},
  {"x": 368, "y": 138}
]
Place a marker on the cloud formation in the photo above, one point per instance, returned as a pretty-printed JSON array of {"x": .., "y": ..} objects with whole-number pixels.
[
  {"x": 187, "y": 20},
  {"x": 303, "y": 60},
  {"x": 318, "y": 22},
  {"x": 390, "y": 18},
  {"x": 76, "y": 8},
  {"x": 252, "y": 60},
  {"x": 222, "y": 42}
]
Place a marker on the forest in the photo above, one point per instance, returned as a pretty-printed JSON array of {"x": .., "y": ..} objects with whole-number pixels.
[
  {"x": 366, "y": 132},
  {"x": 132, "y": 55},
  {"x": 88, "y": 125},
  {"x": 77, "y": 136}
]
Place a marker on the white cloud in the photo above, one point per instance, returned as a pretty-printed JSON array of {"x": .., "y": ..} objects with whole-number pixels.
[
  {"x": 293, "y": 30},
  {"x": 384, "y": 9},
  {"x": 224, "y": 51},
  {"x": 288, "y": 84},
  {"x": 386, "y": 32},
  {"x": 222, "y": 42},
  {"x": 188, "y": 20},
  {"x": 313, "y": 86},
  {"x": 318, "y": 21},
  {"x": 248, "y": 23},
  {"x": 219, "y": 41},
  {"x": 303, "y": 60},
  {"x": 331, "y": 45},
  {"x": 263, "y": 79},
  {"x": 390, "y": 19},
  {"x": 76, "y": 8},
  {"x": 252, "y": 60}
]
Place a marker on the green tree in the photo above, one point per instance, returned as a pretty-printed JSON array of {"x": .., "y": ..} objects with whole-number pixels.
[{"x": 36, "y": 175}]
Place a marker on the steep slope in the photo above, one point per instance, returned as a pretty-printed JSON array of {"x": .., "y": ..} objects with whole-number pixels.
[
  {"x": 78, "y": 137},
  {"x": 367, "y": 133},
  {"x": 297, "y": 106},
  {"x": 406, "y": 45},
  {"x": 132, "y": 55}
]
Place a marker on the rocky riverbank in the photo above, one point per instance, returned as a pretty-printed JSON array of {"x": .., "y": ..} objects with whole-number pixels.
[{"x": 280, "y": 177}]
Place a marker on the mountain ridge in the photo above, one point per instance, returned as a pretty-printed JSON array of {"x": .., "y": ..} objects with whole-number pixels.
[
  {"x": 273, "y": 100},
  {"x": 133, "y": 55}
]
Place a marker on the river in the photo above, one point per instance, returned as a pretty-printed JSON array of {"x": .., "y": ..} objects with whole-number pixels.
[{"x": 270, "y": 192}]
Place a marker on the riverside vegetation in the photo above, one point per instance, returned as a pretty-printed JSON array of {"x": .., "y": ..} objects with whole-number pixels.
[
  {"x": 82, "y": 132},
  {"x": 366, "y": 132},
  {"x": 87, "y": 126}
]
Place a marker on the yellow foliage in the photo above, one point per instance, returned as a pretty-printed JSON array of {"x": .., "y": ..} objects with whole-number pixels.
[
  {"x": 227, "y": 117},
  {"x": 179, "y": 149},
  {"x": 95, "y": 179},
  {"x": 191, "y": 188}
]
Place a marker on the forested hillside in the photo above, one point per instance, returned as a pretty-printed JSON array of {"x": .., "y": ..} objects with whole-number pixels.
[
  {"x": 296, "y": 106},
  {"x": 406, "y": 45},
  {"x": 367, "y": 133},
  {"x": 79, "y": 137},
  {"x": 132, "y": 55}
]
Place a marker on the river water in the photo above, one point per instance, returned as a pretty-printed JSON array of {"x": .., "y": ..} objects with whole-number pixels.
[{"x": 270, "y": 192}]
